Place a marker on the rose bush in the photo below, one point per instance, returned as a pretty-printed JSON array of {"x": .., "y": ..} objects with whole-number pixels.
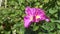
[{"x": 15, "y": 16}]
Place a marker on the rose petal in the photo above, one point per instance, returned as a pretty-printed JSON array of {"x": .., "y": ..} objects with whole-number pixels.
[
  {"x": 29, "y": 11},
  {"x": 47, "y": 19},
  {"x": 27, "y": 21},
  {"x": 40, "y": 11}
]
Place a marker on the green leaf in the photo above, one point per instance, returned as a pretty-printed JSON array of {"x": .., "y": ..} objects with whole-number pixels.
[
  {"x": 1, "y": 28},
  {"x": 58, "y": 2},
  {"x": 53, "y": 20},
  {"x": 52, "y": 33},
  {"x": 7, "y": 32},
  {"x": 52, "y": 11},
  {"x": 46, "y": 1},
  {"x": 35, "y": 27},
  {"x": 58, "y": 31},
  {"x": 48, "y": 26},
  {"x": 58, "y": 25},
  {"x": 21, "y": 1},
  {"x": 41, "y": 33},
  {"x": 37, "y": 3}
]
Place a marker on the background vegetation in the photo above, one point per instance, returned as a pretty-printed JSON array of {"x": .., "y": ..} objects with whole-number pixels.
[{"x": 12, "y": 13}]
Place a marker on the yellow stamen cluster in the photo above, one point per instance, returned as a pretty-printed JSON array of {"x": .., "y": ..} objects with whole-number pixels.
[
  {"x": 31, "y": 18},
  {"x": 37, "y": 16}
]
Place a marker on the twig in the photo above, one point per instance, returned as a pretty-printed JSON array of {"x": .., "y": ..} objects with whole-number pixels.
[
  {"x": 5, "y": 3},
  {"x": 0, "y": 2}
]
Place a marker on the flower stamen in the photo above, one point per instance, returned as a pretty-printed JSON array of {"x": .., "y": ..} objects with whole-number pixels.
[
  {"x": 31, "y": 18},
  {"x": 37, "y": 16}
]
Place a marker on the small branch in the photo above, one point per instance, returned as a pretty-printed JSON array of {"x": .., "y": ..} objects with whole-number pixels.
[
  {"x": 5, "y": 3},
  {"x": 0, "y": 2}
]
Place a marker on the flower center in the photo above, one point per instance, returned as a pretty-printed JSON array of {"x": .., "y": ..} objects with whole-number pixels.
[
  {"x": 37, "y": 16},
  {"x": 31, "y": 18}
]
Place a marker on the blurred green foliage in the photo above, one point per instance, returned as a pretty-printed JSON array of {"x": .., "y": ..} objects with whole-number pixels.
[{"x": 11, "y": 17}]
